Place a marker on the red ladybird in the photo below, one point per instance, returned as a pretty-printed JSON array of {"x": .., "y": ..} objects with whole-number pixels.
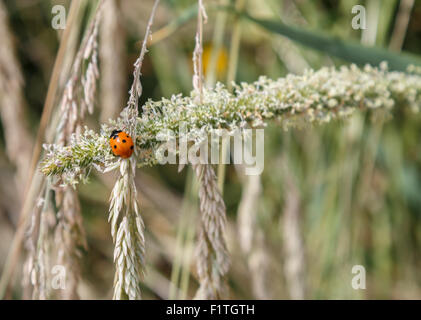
[{"x": 121, "y": 144}]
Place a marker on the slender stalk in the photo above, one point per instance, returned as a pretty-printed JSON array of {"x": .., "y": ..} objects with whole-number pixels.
[
  {"x": 401, "y": 25},
  {"x": 52, "y": 87},
  {"x": 34, "y": 178},
  {"x": 369, "y": 35},
  {"x": 77, "y": 98},
  {"x": 232, "y": 71},
  {"x": 218, "y": 37},
  {"x": 185, "y": 235},
  {"x": 212, "y": 253},
  {"x": 189, "y": 236},
  {"x": 113, "y": 58},
  {"x": 198, "y": 51},
  {"x": 293, "y": 247},
  {"x": 187, "y": 256},
  {"x": 17, "y": 136},
  {"x": 235, "y": 46},
  {"x": 41, "y": 257}
]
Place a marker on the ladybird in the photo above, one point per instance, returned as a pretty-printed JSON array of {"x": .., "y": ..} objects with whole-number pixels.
[{"x": 121, "y": 144}]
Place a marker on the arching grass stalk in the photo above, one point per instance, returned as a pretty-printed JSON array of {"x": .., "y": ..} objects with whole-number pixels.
[{"x": 316, "y": 97}]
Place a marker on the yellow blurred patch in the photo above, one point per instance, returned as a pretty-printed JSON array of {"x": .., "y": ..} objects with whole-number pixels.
[{"x": 221, "y": 62}]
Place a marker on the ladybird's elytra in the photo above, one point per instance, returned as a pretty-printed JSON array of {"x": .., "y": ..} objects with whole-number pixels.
[{"x": 121, "y": 144}]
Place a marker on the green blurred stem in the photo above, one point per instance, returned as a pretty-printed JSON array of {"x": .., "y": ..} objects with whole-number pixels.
[
  {"x": 235, "y": 46},
  {"x": 188, "y": 246},
  {"x": 369, "y": 35},
  {"x": 232, "y": 71},
  {"x": 387, "y": 13},
  {"x": 184, "y": 240},
  {"x": 218, "y": 37},
  {"x": 401, "y": 25}
]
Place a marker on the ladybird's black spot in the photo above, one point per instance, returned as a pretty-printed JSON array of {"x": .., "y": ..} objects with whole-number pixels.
[
  {"x": 131, "y": 147},
  {"x": 115, "y": 146},
  {"x": 127, "y": 136},
  {"x": 114, "y": 133},
  {"x": 124, "y": 141}
]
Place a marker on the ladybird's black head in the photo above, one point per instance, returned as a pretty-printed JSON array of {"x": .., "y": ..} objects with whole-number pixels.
[{"x": 115, "y": 133}]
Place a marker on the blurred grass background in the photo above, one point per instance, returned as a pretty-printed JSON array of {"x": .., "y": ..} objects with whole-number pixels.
[{"x": 330, "y": 197}]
